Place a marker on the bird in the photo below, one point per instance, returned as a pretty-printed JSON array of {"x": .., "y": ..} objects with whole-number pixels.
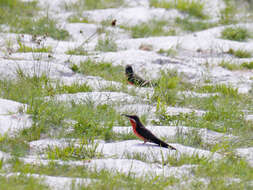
[
  {"x": 134, "y": 79},
  {"x": 113, "y": 23},
  {"x": 144, "y": 134}
]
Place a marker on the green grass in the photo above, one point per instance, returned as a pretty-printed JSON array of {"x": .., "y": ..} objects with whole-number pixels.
[
  {"x": 227, "y": 14},
  {"x": 21, "y": 182},
  {"x": 220, "y": 119},
  {"x": 85, "y": 150},
  {"x": 236, "y": 7},
  {"x": 50, "y": 119},
  {"x": 169, "y": 83},
  {"x": 136, "y": 156},
  {"x": 50, "y": 115},
  {"x": 184, "y": 159},
  {"x": 192, "y": 139},
  {"x": 193, "y": 8},
  {"x": 225, "y": 90},
  {"x": 16, "y": 12},
  {"x": 76, "y": 18},
  {"x": 160, "y": 4},
  {"x": 104, "y": 179},
  {"x": 91, "y": 121},
  {"x": 233, "y": 66},
  {"x": 166, "y": 91},
  {"x": 153, "y": 27},
  {"x": 27, "y": 88},
  {"x": 24, "y": 48},
  {"x": 229, "y": 167},
  {"x": 90, "y": 4},
  {"x": 14, "y": 146},
  {"x": 42, "y": 26},
  {"x": 21, "y": 17},
  {"x": 240, "y": 53},
  {"x": 247, "y": 65},
  {"x": 74, "y": 68},
  {"x": 230, "y": 66},
  {"x": 74, "y": 88},
  {"x": 224, "y": 113},
  {"x": 217, "y": 172},
  {"x": 77, "y": 51},
  {"x": 169, "y": 52},
  {"x": 96, "y": 121},
  {"x": 235, "y": 33},
  {"x": 106, "y": 44},
  {"x": 103, "y": 69},
  {"x": 193, "y": 26}
]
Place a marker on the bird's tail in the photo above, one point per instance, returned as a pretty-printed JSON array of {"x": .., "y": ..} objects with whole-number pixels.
[{"x": 163, "y": 144}]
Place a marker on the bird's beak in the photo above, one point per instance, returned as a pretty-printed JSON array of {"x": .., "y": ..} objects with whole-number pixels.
[{"x": 126, "y": 115}]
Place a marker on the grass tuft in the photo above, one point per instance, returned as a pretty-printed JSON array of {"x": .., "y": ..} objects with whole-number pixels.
[
  {"x": 168, "y": 86},
  {"x": 169, "y": 52},
  {"x": 106, "y": 44},
  {"x": 235, "y": 33},
  {"x": 229, "y": 66},
  {"x": 78, "y": 51},
  {"x": 21, "y": 182},
  {"x": 228, "y": 167},
  {"x": 116, "y": 180},
  {"x": 21, "y": 17},
  {"x": 74, "y": 88},
  {"x": 240, "y": 53},
  {"x": 24, "y": 48},
  {"x": 227, "y": 14},
  {"x": 15, "y": 13},
  {"x": 193, "y": 8},
  {"x": 247, "y": 65},
  {"x": 193, "y": 26},
  {"x": 232, "y": 66},
  {"x": 81, "y": 5},
  {"x": 14, "y": 146},
  {"x": 43, "y": 26},
  {"x": 87, "y": 149},
  {"x": 76, "y": 18},
  {"x": 103, "y": 69},
  {"x": 192, "y": 138},
  {"x": 219, "y": 88},
  {"x": 153, "y": 28}
]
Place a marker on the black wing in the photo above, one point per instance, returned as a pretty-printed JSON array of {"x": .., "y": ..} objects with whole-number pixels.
[{"x": 147, "y": 134}]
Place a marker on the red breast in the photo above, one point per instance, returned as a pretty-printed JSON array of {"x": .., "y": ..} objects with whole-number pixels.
[
  {"x": 130, "y": 83},
  {"x": 133, "y": 123}
]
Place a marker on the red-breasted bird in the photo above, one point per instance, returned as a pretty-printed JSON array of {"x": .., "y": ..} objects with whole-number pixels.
[
  {"x": 134, "y": 79},
  {"x": 145, "y": 134}
]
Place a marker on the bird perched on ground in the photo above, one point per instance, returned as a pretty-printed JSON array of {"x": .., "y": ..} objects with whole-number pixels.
[
  {"x": 144, "y": 134},
  {"x": 113, "y": 23},
  {"x": 134, "y": 79}
]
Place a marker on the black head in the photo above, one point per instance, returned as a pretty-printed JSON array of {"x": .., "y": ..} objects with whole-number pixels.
[
  {"x": 129, "y": 70},
  {"x": 133, "y": 117}
]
